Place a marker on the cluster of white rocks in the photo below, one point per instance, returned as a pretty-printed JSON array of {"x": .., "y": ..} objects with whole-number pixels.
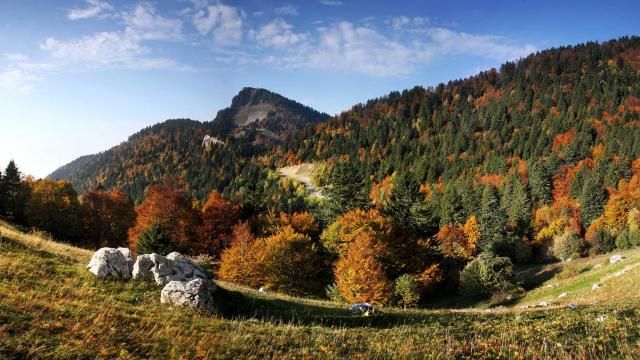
[{"x": 185, "y": 283}]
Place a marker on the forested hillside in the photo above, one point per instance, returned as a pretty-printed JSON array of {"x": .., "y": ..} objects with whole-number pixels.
[
  {"x": 428, "y": 190},
  {"x": 545, "y": 144},
  {"x": 176, "y": 147}
]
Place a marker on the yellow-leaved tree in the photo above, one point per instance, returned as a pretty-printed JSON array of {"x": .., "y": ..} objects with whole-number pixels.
[{"x": 359, "y": 274}]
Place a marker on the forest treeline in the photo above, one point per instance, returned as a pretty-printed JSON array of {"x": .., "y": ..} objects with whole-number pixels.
[{"x": 427, "y": 190}]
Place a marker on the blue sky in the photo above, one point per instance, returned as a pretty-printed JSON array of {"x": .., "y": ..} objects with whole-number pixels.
[{"x": 77, "y": 77}]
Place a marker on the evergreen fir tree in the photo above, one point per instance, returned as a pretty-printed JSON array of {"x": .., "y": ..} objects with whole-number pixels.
[
  {"x": 154, "y": 240},
  {"x": 348, "y": 190},
  {"x": 403, "y": 196},
  {"x": 592, "y": 201},
  {"x": 492, "y": 218},
  {"x": 540, "y": 184},
  {"x": 15, "y": 193}
]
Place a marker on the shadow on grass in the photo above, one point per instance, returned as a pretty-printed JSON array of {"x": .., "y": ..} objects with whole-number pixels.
[
  {"x": 534, "y": 276},
  {"x": 236, "y": 305}
]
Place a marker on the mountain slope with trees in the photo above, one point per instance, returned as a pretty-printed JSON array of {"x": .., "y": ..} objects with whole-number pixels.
[{"x": 176, "y": 147}]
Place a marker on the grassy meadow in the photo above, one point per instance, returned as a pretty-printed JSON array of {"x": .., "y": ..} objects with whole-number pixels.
[{"x": 51, "y": 307}]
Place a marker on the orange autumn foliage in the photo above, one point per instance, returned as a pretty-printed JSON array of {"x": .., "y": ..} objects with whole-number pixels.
[
  {"x": 169, "y": 206},
  {"x": 301, "y": 222},
  {"x": 460, "y": 241},
  {"x": 360, "y": 276},
  {"x": 349, "y": 226},
  {"x": 381, "y": 192},
  {"x": 563, "y": 139},
  {"x": 565, "y": 175},
  {"x": 107, "y": 216},
  {"x": 218, "y": 218},
  {"x": 241, "y": 263},
  {"x": 621, "y": 201}
]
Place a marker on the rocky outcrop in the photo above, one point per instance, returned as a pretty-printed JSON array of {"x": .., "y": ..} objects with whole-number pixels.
[
  {"x": 110, "y": 263},
  {"x": 161, "y": 270},
  {"x": 196, "y": 293}
]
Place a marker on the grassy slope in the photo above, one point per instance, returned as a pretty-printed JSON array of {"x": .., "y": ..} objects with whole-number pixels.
[{"x": 52, "y": 307}]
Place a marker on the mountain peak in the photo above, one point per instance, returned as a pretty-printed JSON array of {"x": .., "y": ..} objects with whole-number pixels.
[{"x": 270, "y": 113}]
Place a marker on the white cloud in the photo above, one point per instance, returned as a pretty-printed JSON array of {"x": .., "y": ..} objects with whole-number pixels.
[
  {"x": 348, "y": 48},
  {"x": 16, "y": 57},
  {"x": 287, "y": 10},
  {"x": 17, "y": 80},
  {"x": 96, "y": 7},
  {"x": 404, "y": 46},
  {"x": 222, "y": 21},
  {"x": 106, "y": 49},
  {"x": 145, "y": 24},
  {"x": 402, "y": 22},
  {"x": 449, "y": 42},
  {"x": 330, "y": 2},
  {"x": 278, "y": 34}
]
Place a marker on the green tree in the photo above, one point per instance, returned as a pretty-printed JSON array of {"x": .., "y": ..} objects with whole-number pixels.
[
  {"x": 348, "y": 190},
  {"x": 486, "y": 274},
  {"x": 492, "y": 218},
  {"x": 540, "y": 184},
  {"x": 154, "y": 239},
  {"x": 54, "y": 208},
  {"x": 15, "y": 193},
  {"x": 592, "y": 199},
  {"x": 407, "y": 289},
  {"x": 403, "y": 196},
  {"x": 519, "y": 211}
]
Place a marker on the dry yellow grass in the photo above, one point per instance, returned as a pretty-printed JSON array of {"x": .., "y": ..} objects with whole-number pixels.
[{"x": 51, "y": 307}]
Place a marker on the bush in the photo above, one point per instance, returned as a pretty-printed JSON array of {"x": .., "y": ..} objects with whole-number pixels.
[
  {"x": 516, "y": 248},
  {"x": 334, "y": 294},
  {"x": 407, "y": 289},
  {"x": 154, "y": 240},
  {"x": 634, "y": 238},
  {"x": 622, "y": 240},
  {"x": 292, "y": 263},
  {"x": 601, "y": 242},
  {"x": 487, "y": 274},
  {"x": 566, "y": 246}
]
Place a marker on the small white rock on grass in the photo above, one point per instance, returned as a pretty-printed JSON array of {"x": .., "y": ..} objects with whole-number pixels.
[
  {"x": 563, "y": 294},
  {"x": 601, "y": 318},
  {"x": 572, "y": 306},
  {"x": 615, "y": 258},
  {"x": 596, "y": 286}
]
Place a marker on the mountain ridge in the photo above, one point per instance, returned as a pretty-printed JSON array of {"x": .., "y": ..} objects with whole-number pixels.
[{"x": 183, "y": 138}]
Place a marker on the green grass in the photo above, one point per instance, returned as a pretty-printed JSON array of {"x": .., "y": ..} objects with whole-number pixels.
[{"x": 51, "y": 307}]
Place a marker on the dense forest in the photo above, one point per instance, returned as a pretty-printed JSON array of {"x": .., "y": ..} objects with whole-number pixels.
[{"x": 426, "y": 190}]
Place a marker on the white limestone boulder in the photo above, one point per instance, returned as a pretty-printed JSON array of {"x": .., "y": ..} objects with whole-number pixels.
[
  {"x": 616, "y": 258},
  {"x": 196, "y": 293},
  {"x": 110, "y": 263},
  {"x": 161, "y": 270}
]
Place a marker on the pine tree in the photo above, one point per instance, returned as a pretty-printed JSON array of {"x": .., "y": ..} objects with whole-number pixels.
[
  {"x": 15, "y": 193},
  {"x": 520, "y": 206},
  {"x": 540, "y": 184},
  {"x": 403, "y": 197},
  {"x": 492, "y": 218},
  {"x": 592, "y": 199},
  {"x": 154, "y": 239},
  {"x": 348, "y": 190}
]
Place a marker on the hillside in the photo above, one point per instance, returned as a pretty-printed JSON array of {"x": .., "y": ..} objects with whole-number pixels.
[
  {"x": 53, "y": 308},
  {"x": 256, "y": 120}
]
